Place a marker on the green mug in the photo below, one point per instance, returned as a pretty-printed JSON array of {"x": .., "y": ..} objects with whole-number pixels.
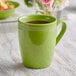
[{"x": 38, "y": 41}]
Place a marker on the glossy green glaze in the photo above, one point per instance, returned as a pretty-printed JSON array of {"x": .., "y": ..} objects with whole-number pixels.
[
  {"x": 38, "y": 41},
  {"x": 7, "y": 13}
]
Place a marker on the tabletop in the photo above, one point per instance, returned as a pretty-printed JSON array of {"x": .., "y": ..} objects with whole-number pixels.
[{"x": 64, "y": 61}]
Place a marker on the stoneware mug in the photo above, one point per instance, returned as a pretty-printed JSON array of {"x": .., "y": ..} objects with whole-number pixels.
[{"x": 38, "y": 41}]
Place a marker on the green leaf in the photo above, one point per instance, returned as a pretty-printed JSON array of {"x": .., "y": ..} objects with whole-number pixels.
[{"x": 29, "y": 3}]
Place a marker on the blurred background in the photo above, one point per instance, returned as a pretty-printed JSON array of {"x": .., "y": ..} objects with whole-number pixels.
[
  {"x": 64, "y": 63},
  {"x": 72, "y": 6}
]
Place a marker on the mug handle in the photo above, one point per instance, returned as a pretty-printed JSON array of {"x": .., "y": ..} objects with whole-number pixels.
[{"x": 63, "y": 30}]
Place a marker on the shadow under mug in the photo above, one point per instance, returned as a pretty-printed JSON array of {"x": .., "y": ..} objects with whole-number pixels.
[{"x": 38, "y": 41}]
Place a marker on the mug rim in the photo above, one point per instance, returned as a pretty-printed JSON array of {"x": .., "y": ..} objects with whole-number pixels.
[{"x": 25, "y": 16}]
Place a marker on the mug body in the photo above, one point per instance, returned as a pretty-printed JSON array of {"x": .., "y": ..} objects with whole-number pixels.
[{"x": 37, "y": 41}]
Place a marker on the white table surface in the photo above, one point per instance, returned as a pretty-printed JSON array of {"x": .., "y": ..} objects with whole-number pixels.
[{"x": 64, "y": 61}]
